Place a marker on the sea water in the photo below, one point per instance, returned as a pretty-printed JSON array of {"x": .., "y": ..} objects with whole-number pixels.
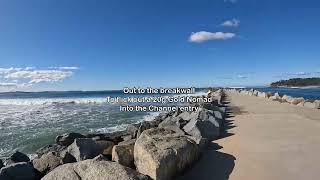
[{"x": 29, "y": 121}]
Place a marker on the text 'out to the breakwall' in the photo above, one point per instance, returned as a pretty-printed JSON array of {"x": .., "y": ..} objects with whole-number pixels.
[{"x": 150, "y": 90}]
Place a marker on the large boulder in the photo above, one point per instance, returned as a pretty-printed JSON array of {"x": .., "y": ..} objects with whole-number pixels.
[
  {"x": 163, "y": 154},
  {"x": 309, "y": 104},
  {"x": 262, "y": 94},
  {"x": 18, "y": 171},
  {"x": 17, "y": 157},
  {"x": 68, "y": 138},
  {"x": 94, "y": 169},
  {"x": 123, "y": 153},
  {"x": 286, "y": 98},
  {"x": 86, "y": 148},
  {"x": 47, "y": 163},
  {"x": 312, "y": 104},
  {"x": 317, "y": 104},
  {"x": 275, "y": 97},
  {"x": 205, "y": 126},
  {"x": 296, "y": 101},
  {"x": 209, "y": 129}
]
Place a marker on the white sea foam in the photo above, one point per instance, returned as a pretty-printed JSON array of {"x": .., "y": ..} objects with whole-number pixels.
[
  {"x": 50, "y": 101},
  {"x": 150, "y": 116},
  {"x": 110, "y": 129}
]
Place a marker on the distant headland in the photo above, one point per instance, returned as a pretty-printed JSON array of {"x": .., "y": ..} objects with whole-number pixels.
[{"x": 297, "y": 82}]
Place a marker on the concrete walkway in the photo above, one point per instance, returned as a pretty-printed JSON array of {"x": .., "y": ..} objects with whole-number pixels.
[{"x": 265, "y": 140}]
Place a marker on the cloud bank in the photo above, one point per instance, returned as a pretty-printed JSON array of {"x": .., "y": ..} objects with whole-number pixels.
[
  {"x": 202, "y": 36},
  {"x": 15, "y": 78}
]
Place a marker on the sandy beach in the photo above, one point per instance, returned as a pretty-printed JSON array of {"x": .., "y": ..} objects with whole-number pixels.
[{"x": 264, "y": 140}]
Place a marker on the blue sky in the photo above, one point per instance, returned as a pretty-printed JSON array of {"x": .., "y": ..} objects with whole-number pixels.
[{"x": 111, "y": 44}]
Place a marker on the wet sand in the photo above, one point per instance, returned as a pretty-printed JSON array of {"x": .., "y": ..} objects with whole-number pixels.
[{"x": 264, "y": 140}]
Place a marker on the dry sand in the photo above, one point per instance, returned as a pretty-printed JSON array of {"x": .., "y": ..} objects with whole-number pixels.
[{"x": 265, "y": 140}]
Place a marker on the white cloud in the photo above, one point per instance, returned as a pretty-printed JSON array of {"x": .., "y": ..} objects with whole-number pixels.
[
  {"x": 231, "y": 23},
  {"x": 202, "y": 36},
  {"x": 230, "y": 1},
  {"x": 11, "y": 69},
  {"x": 242, "y": 76},
  {"x": 66, "y": 68},
  {"x": 301, "y": 73},
  {"x": 16, "y": 78},
  {"x": 37, "y": 76}
]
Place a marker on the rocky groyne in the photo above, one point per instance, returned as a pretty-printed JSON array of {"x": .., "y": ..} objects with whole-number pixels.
[
  {"x": 161, "y": 149},
  {"x": 277, "y": 97}
]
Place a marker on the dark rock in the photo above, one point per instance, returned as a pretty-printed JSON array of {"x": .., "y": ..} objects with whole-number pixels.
[
  {"x": 1, "y": 164},
  {"x": 66, "y": 157},
  {"x": 86, "y": 148},
  {"x": 68, "y": 138},
  {"x": 18, "y": 157},
  {"x": 105, "y": 147},
  {"x": 123, "y": 153},
  {"x": 18, "y": 171},
  {"x": 115, "y": 137}
]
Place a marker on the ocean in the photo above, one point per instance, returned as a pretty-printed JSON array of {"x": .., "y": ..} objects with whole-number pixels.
[{"x": 31, "y": 120}]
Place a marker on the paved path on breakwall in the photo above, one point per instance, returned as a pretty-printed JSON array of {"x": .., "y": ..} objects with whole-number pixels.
[{"x": 265, "y": 140}]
